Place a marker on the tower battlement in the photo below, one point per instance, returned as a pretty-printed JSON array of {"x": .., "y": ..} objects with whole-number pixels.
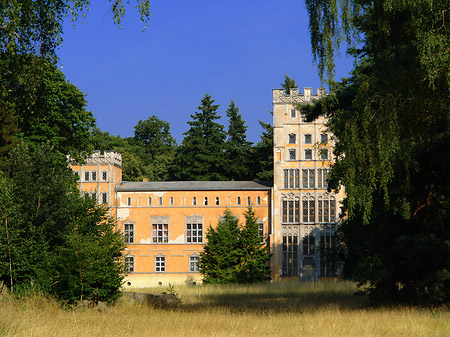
[
  {"x": 107, "y": 157},
  {"x": 295, "y": 97}
]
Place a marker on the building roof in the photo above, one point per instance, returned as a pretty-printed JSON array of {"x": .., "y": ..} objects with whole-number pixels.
[{"x": 193, "y": 186}]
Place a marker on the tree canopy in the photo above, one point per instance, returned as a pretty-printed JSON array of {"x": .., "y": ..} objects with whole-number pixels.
[{"x": 391, "y": 120}]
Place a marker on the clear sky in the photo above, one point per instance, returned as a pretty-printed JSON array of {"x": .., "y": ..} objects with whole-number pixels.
[{"x": 237, "y": 50}]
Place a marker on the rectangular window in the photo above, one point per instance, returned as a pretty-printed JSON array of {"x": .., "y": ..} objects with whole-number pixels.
[
  {"x": 290, "y": 212},
  {"x": 238, "y": 200},
  {"x": 308, "y": 154},
  {"x": 128, "y": 233},
  {"x": 292, "y": 138},
  {"x": 293, "y": 113},
  {"x": 205, "y": 201},
  {"x": 217, "y": 201},
  {"x": 291, "y": 177},
  {"x": 160, "y": 201},
  {"x": 308, "y": 139},
  {"x": 149, "y": 201},
  {"x": 129, "y": 263},
  {"x": 194, "y": 201},
  {"x": 160, "y": 229},
  {"x": 328, "y": 255},
  {"x": 289, "y": 263},
  {"x": 94, "y": 175},
  {"x": 308, "y": 211},
  {"x": 258, "y": 201},
  {"x": 308, "y": 178},
  {"x": 311, "y": 178},
  {"x": 129, "y": 201},
  {"x": 86, "y": 176},
  {"x": 171, "y": 201},
  {"x": 322, "y": 178},
  {"x": 308, "y": 245},
  {"x": 292, "y": 154},
  {"x": 160, "y": 263},
  {"x": 104, "y": 175},
  {"x": 324, "y": 154},
  {"x": 324, "y": 138},
  {"x": 261, "y": 232},
  {"x": 248, "y": 201},
  {"x": 104, "y": 198},
  {"x": 194, "y": 229},
  {"x": 194, "y": 263}
]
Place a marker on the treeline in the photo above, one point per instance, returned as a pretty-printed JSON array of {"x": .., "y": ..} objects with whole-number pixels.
[{"x": 208, "y": 151}]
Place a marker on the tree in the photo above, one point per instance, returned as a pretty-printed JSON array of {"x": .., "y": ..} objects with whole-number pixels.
[
  {"x": 154, "y": 133},
  {"x": 39, "y": 105},
  {"x": 391, "y": 122},
  {"x": 238, "y": 148},
  {"x": 201, "y": 154},
  {"x": 51, "y": 238},
  {"x": 233, "y": 254},
  {"x": 289, "y": 83},
  {"x": 254, "y": 257},
  {"x": 263, "y": 154}
]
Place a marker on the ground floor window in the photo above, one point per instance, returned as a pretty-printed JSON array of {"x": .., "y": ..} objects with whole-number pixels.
[
  {"x": 328, "y": 255},
  {"x": 129, "y": 263},
  {"x": 160, "y": 229},
  {"x": 289, "y": 255},
  {"x": 194, "y": 261},
  {"x": 160, "y": 263}
]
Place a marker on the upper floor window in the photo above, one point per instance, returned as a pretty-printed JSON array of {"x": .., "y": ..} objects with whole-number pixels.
[
  {"x": 86, "y": 176},
  {"x": 293, "y": 112},
  {"x": 160, "y": 229},
  {"x": 292, "y": 154},
  {"x": 327, "y": 208},
  {"x": 261, "y": 231},
  {"x": 290, "y": 210},
  {"x": 104, "y": 175},
  {"x": 160, "y": 201},
  {"x": 308, "y": 154},
  {"x": 129, "y": 201},
  {"x": 324, "y": 154},
  {"x": 194, "y": 229},
  {"x": 194, "y": 201},
  {"x": 248, "y": 201},
  {"x": 238, "y": 200},
  {"x": 149, "y": 201},
  {"x": 128, "y": 232},
  {"x": 308, "y": 178},
  {"x": 308, "y": 139},
  {"x": 258, "y": 200},
  {"x": 205, "y": 202},
  {"x": 217, "y": 201},
  {"x": 324, "y": 138},
  {"x": 292, "y": 138},
  {"x": 104, "y": 198},
  {"x": 308, "y": 209},
  {"x": 322, "y": 178},
  {"x": 94, "y": 175},
  {"x": 171, "y": 201},
  {"x": 291, "y": 178}
]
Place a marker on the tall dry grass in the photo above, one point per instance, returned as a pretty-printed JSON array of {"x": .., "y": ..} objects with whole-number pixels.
[{"x": 322, "y": 309}]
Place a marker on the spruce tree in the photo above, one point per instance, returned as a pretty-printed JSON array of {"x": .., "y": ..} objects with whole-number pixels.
[
  {"x": 238, "y": 148},
  {"x": 289, "y": 83},
  {"x": 201, "y": 154},
  {"x": 263, "y": 154},
  {"x": 254, "y": 256}
]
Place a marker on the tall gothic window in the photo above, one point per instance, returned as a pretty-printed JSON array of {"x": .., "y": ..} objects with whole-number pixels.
[
  {"x": 291, "y": 209},
  {"x": 308, "y": 209},
  {"x": 327, "y": 208},
  {"x": 289, "y": 263},
  {"x": 291, "y": 177},
  {"x": 322, "y": 178}
]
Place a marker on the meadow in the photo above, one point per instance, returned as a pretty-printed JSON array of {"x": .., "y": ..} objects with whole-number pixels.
[{"x": 317, "y": 309}]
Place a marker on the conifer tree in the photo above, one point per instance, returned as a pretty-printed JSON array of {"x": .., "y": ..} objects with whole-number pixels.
[
  {"x": 263, "y": 154},
  {"x": 289, "y": 83},
  {"x": 254, "y": 257},
  {"x": 201, "y": 154},
  {"x": 238, "y": 148}
]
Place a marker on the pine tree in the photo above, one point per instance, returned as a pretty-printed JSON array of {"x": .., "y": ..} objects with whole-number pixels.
[
  {"x": 201, "y": 154},
  {"x": 263, "y": 154},
  {"x": 238, "y": 148}
]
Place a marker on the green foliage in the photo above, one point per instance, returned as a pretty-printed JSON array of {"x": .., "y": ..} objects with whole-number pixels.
[
  {"x": 37, "y": 104},
  {"x": 52, "y": 239},
  {"x": 154, "y": 133},
  {"x": 262, "y": 157},
  {"x": 234, "y": 255},
  {"x": 391, "y": 120},
  {"x": 201, "y": 154},
  {"x": 238, "y": 148},
  {"x": 289, "y": 83},
  {"x": 36, "y": 27}
]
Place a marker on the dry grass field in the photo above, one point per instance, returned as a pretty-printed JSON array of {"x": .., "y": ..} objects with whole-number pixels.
[{"x": 321, "y": 309}]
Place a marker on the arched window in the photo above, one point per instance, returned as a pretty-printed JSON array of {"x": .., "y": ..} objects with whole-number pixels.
[
  {"x": 308, "y": 205},
  {"x": 327, "y": 208},
  {"x": 290, "y": 208}
]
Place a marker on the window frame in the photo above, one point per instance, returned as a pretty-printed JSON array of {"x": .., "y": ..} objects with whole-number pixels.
[
  {"x": 129, "y": 263},
  {"x": 160, "y": 263},
  {"x": 308, "y": 154},
  {"x": 160, "y": 229},
  {"x": 128, "y": 233},
  {"x": 292, "y": 138},
  {"x": 292, "y": 154},
  {"x": 194, "y": 263},
  {"x": 194, "y": 233},
  {"x": 308, "y": 138}
]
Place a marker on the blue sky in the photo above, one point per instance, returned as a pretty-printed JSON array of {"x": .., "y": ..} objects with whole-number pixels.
[{"x": 237, "y": 50}]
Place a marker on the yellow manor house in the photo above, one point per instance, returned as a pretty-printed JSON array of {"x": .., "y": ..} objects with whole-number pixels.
[{"x": 164, "y": 223}]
